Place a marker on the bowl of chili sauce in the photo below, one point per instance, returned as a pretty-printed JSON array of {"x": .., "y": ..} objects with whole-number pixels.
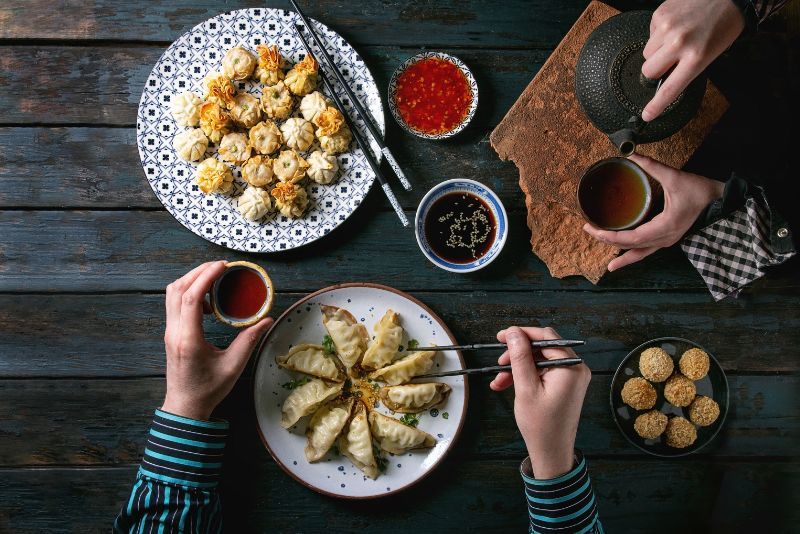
[
  {"x": 433, "y": 95},
  {"x": 242, "y": 295}
]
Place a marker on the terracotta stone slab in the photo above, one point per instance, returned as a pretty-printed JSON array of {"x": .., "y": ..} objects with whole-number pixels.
[{"x": 547, "y": 136}]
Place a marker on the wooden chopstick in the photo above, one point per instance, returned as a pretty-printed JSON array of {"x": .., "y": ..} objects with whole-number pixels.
[
  {"x": 356, "y": 103},
  {"x": 543, "y": 344},
  {"x": 540, "y": 364},
  {"x": 387, "y": 189}
]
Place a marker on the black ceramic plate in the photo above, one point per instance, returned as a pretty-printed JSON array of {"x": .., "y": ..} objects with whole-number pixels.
[{"x": 714, "y": 385}]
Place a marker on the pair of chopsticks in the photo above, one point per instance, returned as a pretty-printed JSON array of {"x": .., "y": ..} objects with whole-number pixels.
[{"x": 362, "y": 114}]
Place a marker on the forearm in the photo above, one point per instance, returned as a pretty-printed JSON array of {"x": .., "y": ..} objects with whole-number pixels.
[
  {"x": 757, "y": 11},
  {"x": 176, "y": 487}
]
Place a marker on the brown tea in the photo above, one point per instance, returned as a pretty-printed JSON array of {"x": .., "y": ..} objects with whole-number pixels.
[{"x": 613, "y": 194}]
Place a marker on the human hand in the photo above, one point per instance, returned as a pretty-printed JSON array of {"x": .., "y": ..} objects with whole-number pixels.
[
  {"x": 200, "y": 375},
  {"x": 686, "y": 195},
  {"x": 687, "y": 35},
  {"x": 547, "y": 405}
]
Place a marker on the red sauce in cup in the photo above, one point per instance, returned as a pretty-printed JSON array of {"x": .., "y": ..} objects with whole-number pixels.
[
  {"x": 433, "y": 96},
  {"x": 241, "y": 293}
]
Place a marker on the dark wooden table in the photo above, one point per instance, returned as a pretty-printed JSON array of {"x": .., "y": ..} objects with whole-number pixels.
[{"x": 86, "y": 251}]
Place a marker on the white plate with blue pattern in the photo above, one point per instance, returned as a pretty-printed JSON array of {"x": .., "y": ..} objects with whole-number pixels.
[
  {"x": 182, "y": 67},
  {"x": 334, "y": 475}
]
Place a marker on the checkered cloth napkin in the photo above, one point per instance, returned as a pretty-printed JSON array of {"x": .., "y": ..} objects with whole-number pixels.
[{"x": 732, "y": 252}]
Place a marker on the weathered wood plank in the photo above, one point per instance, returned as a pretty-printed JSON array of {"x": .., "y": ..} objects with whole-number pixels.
[
  {"x": 634, "y": 496},
  {"x": 101, "y": 422}
]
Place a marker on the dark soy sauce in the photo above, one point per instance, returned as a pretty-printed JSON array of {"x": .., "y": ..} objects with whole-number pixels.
[
  {"x": 460, "y": 227},
  {"x": 612, "y": 195},
  {"x": 241, "y": 293}
]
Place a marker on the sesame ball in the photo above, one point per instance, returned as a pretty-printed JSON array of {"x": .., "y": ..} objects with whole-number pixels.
[
  {"x": 639, "y": 394},
  {"x": 679, "y": 390},
  {"x": 650, "y": 424},
  {"x": 655, "y": 364},
  {"x": 680, "y": 433},
  {"x": 703, "y": 411},
  {"x": 694, "y": 364}
]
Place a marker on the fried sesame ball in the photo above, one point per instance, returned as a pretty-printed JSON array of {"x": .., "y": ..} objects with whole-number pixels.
[
  {"x": 639, "y": 394},
  {"x": 694, "y": 364},
  {"x": 650, "y": 424},
  {"x": 680, "y": 433},
  {"x": 679, "y": 390},
  {"x": 703, "y": 411},
  {"x": 655, "y": 364}
]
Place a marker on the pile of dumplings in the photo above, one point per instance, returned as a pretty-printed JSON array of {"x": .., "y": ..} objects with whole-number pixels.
[
  {"x": 341, "y": 415},
  {"x": 260, "y": 135}
]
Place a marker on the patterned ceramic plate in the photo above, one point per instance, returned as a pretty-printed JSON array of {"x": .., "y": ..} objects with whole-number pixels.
[
  {"x": 335, "y": 475},
  {"x": 437, "y": 55},
  {"x": 214, "y": 217}
]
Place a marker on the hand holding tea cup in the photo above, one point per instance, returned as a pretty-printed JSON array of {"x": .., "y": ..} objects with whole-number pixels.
[{"x": 686, "y": 195}]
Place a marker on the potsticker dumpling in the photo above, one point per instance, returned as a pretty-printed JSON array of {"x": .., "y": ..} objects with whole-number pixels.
[
  {"x": 298, "y": 133},
  {"x": 325, "y": 426},
  {"x": 306, "y": 399},
  {"x": 404, "y": 370},
  {"x": 277, "y": 101},
  {"x": 265, "y": 137},
  {"x": 349, "y": 336},
  {"x": 356, "y": 442},
  {"x": 322, "y": 167},
  {"x": 186, "y": 108},
  {"x": 238, "y": 63},
  {"x": 213, "y": 176},
  {"x": 414, "y": 398},
  {"x": 383, "y": 349},
  {"x": 312, "y": 105},
  {"x": 191, "y": 144},
  {"x": 395, "y": 437},
  {"x": 311, "y": 360},
  {"x": 302, "y": 78},
  {"x": 290, "y": 199},
  {"x": 269, "y": 70},
  {"x": 254, "y": 203},
  {"x": 245, "y": 110},
  {"x": 234, "y": 148}
]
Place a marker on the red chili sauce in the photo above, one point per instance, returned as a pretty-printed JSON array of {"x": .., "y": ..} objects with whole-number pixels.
[
  {"x": 241, "y": 293},
  {"x": 433, "y": 96}
]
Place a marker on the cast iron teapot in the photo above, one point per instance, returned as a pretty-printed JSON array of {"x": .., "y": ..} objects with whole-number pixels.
[{"x": 613, "y": 92}]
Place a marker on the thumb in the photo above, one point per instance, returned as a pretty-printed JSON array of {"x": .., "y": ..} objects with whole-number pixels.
[
  {"x": 655, "y": 169},
  {"x": 523, "y": 367},
  {"x": 242, "y": 347}
]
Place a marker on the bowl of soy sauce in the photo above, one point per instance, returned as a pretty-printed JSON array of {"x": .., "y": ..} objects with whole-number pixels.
[{"x": 461, "y": 225}]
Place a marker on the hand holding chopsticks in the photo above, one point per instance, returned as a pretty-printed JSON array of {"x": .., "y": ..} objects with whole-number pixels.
[{"x": 540, "y": 364}]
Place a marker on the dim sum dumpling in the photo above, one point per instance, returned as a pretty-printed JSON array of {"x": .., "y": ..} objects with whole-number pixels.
[
  {"x": 388, "y": 335},
  {"x": 312, "y": 360},
  {"x": 329, "y": 121},
  {"x": 290, "y": 199},
  {"x": 338, "y": 142},
  {"x": 298, "y": 133},
  {"x": 322, "y": 167},
  {"x": 234, "y": 148},
  {"x": 254, "y": 203},
  {"x": 186, "y": 108},
  {"x": 245, "y": 110},
  {"x": 325, "y": 426},
  {"x": 277, "y": 101},
  {"x": 269, "y": 70},
  {"x": 349, "y": 336},
  {"x": 404, "y": 370},
  {"x": 395, "y": 437},
  {"x": 265, "y": 137},
  {"x": 238, "y": 63},
  {"x": 219, "y": 89},
  {"x": 356, "y": 443},
  {"x": 290, "y": 166},
  {"x": 312, "y": 104},
  {"x": 414, "y": 398},
  {"x": 306, "y": 399},
  {"x": 214, "y": 121},
  {"x": 302, "y": 78},
  {"x": 191, "y": 144},
  {"x": 257, "y": 171},
  {"x": 213, "y": 176}
]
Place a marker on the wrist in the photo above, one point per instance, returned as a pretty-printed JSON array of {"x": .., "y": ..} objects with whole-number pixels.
[
  {"x": 552, "y": 463},
  {"x": 185, "y": 408}
]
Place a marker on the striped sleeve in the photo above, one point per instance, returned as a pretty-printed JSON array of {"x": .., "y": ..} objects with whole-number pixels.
[
  {"x": 176, "y": 487},
  {"x": 561, "y": 505}
]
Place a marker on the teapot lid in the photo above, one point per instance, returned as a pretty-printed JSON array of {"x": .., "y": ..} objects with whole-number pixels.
[{"x": 611, "y": 88}]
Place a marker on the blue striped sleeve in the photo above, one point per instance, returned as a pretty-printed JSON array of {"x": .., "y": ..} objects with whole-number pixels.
[
  {"x": 561, "y": 505},
  {"x": 176, "y": 487}
]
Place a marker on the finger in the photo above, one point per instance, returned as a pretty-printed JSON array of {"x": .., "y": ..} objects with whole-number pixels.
[
  {"x": 174, "y": 294},
  {"x": 193, "y": 298},
  {"x": 653, "y": 45},
  {"x": 501, "y": 336},
  {"x": 523, "y": 367},
  {"x": 504, "y": 379},
  {"x": 645, "y": 235},
  {"x": 670, "y": 89},
  {"x": 536, "y": 333},
  {"x": 659, "y": 63},
  {"x": 504, "y": 359},
  {"x": 242, "y": 347},
  {"x": 631, "y": 256}
]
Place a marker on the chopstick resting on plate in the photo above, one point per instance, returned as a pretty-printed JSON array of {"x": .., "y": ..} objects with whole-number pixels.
[
  {"x": 540, "y": 364},
  {"x": 543, "y": 344},
  {"x": 365, "y": 148},
  {"x": 362, "y": 113}
]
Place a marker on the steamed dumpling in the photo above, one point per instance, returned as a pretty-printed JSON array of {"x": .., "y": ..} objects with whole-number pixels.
[
  {"x": 395, "y": 437},
  {"x": 404, "y": 370},
  {"x": 277, "y": 101},
  {"x": 219, "y": 89},
  {"x": 298, "y": 133},
  {"x": 414, "y": 398},
  {"x": 186, "y": 108},
  {"x": 312, "y": 104},
  {"x": 322, "y": 167},
  {"x": 302, "y": 78},
  {"x": 257, "y": 171},
  {"x": 265, "y": 137},
  {"x": 349, "y": 336},
  {"x": 269, "y": 70},
  {"x": 191, "y": 144},
  {"x": 213, "y": 176},
  {"x": 234, "y": 148},
  {"x": 356, "y": 443},
  {"x": 290, "y": 199},
  {"x": 388, "y": 335},
  {"x": 306, "y": 399},
  {"x": 311, "y": 360},
  {"x": 338, "y": 142},
  {"x": 245, "y": 110},
  {"x": 254, "y": 203},
  {"x": 290, "y": 166},
  {"x": 238, "y": 63},
  {"x": 325, "y": 426},
  {"x": 214, "y": 121}
]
